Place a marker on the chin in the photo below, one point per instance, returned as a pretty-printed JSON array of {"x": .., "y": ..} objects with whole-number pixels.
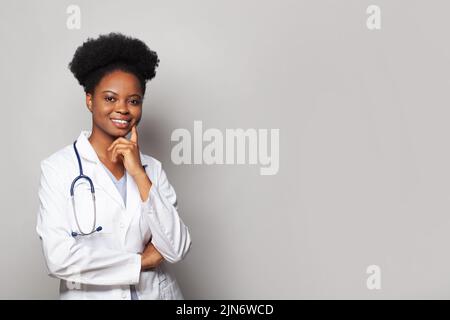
[
  {"x": 122, "y": 134},
  {"x": 118, "y": 133}
]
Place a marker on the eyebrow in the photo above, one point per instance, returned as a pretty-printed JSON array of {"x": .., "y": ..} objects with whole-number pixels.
[{"x": 131, "y": 95}]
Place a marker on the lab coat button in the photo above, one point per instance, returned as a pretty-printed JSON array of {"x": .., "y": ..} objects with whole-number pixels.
[{"x": 122, "y": 225}]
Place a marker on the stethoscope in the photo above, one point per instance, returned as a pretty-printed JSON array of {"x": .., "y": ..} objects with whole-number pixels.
[{"x": 82, "y": 176}]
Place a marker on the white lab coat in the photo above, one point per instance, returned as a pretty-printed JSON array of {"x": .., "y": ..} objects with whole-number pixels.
[{"x": 104, "y": 264}]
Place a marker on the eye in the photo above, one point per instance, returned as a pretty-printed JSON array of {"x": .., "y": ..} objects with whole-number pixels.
[
  {"x": 110, "y": 99},
  {"x": 135, "y": 102}
]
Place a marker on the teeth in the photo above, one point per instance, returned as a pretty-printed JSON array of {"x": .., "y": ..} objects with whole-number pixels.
[{"x": 120, "y": 121}]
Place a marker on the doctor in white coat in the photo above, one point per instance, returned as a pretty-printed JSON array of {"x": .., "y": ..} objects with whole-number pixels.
[{"x": 141, "y": 230}]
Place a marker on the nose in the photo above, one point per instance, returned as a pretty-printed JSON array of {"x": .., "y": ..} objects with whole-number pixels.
[{"x": 122, "y": 107}]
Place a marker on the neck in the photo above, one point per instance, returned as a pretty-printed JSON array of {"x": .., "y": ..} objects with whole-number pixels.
[{"x": 100, "y": 141}]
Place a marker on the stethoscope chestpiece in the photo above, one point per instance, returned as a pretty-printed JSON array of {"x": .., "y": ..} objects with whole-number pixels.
[{"x": 76, "y": 234}]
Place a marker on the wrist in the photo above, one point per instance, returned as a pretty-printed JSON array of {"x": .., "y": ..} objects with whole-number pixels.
[
  {"x": 144, "y": 263},
  {"x": 140, "y": 174}
]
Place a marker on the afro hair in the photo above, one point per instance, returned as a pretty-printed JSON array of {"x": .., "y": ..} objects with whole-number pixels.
[{"x": 114, "y": 51}]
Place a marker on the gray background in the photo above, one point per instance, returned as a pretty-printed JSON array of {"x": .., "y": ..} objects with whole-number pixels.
[{"x": 363, "y": 115}]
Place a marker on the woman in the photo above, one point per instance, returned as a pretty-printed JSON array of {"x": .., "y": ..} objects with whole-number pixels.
[{"x": 113, "y": 243}]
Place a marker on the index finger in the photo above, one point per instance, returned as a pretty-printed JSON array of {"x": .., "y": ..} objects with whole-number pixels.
[{"x": 134, "y": 134}]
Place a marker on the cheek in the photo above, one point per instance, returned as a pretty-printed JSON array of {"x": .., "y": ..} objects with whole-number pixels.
[
  {"x": 137, "y": 116},
  {"x": 102, "y": 110},
  {"x": 138, "y": 120},
  {"x": 98, "y": 114}
]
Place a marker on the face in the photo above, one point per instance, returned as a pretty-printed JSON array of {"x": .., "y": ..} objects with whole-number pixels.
[{"x": 116, "y": 104}]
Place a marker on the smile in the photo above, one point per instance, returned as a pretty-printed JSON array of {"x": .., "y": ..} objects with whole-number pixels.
[{"x": 120, "y": 123}]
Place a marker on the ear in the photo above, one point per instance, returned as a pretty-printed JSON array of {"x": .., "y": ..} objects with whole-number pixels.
[{"x": 89, "y": 100}]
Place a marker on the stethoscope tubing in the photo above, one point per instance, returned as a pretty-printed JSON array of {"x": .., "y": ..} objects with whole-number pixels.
[{"x": 82, "y": 176}]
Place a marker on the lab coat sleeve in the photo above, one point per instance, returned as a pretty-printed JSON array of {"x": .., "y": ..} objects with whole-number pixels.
[
  {"x": 170, "y": 235},
  {"x": 67, "y": 258}
]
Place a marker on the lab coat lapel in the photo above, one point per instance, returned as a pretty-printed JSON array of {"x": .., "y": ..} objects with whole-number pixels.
[
  {"x": 133, "y": 195},
  {"x": 132, "y": 200}
]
